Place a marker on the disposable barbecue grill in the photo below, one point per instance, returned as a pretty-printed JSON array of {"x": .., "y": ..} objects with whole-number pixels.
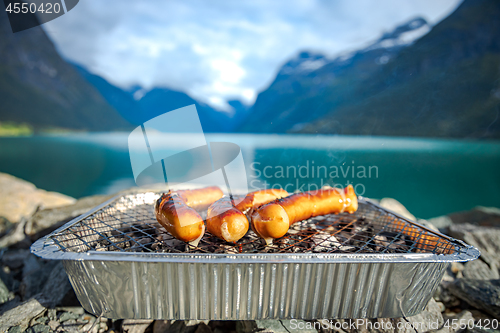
[{"x": 373, "y": 263}]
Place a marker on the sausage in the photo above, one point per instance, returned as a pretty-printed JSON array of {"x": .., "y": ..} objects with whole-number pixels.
[
  {"x": 275, "y": 218},
  {"x": 200, "y": 199},
  {"x": 225, "y": 221},
  {"x": 228, "y": 221},
  {"x": 176, "y": 212},
  {"x": 180, "y": 220},
  {"x": 258, "y": 198}
]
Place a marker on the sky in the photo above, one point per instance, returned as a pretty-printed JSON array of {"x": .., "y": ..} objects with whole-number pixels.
[{"x": 221, "y": 50}]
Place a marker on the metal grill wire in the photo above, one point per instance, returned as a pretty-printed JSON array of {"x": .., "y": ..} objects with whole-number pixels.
[{"x": 129, "y": 225}]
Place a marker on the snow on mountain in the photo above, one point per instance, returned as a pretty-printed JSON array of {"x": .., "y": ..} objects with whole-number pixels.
[
  {"x": 403, "y": 35},
  {"x": 304, "y": 62},
  {"x": 393, "y": 41}
]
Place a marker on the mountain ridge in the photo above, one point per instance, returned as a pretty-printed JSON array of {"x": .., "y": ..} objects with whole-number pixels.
[
  {"x": 291, "y": 81},
  {"x": 450, "y": 95},
  {"x": 442, "y": 84},
  {"x": 39, "y": 88},
  {"x": 415, "y": 80},
  {"x": 159, "y": 100}
]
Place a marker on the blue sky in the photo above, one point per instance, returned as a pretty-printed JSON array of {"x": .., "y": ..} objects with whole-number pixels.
[{"x": 220, "y": 50}]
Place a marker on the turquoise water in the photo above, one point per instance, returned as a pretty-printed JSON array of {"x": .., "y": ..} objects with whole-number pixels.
[{"x": 430, "y": 177}]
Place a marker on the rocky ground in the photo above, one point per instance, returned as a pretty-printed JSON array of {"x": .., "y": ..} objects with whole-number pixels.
[{"x": 36, "y": 296}]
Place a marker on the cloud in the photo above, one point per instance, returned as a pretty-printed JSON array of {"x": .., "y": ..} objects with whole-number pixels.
[{"x": 218, "y": 50}]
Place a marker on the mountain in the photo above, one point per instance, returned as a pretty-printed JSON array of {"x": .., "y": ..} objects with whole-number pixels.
[
  {"x": 300, "y": 91},
  {"x": 121, "y": 100},
  {"x": 447, "y": 84},
  {"x": 160, "y": 100},
  {"x": 138, "y": 105},
  {"x": 241, "y": 112},
  {"x": 444, "y": 84},
  {"x": 39, "y": 88}
]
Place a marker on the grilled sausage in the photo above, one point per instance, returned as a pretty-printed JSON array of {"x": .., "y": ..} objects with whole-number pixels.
[
  {"x": 200, "y": 199},
  {"x": 180, "y": 220},
  {"x": 258, "y": 198},
  {"x": 228, "y": 221},
  {"x": 274, "y": 219}
]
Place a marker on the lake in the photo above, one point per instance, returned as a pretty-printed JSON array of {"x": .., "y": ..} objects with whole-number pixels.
[{"x": 430, "y": 177}]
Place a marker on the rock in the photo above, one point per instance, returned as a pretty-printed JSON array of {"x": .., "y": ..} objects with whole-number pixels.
[
  {"x": 52, "y": 314},
  {"x": 451, "y": 272},
  {"x": 135, "y": 325},
  {"x": 443, "y": 295},
  {"x": 8, "y": 277},
  {"x": 195, "y": 322},
  {"x": 480, "y": 330},
  {"x": 456, "y": 322},
  {"x": 487, "y": 240},
  {"x": 457, "y": 267},
  {"x": 246, "y": 326},
  {"x": 65, "y": 316},
  {"x": 70, "y": 299},
  {"x": 15, "y": 258},
  {"x": 89, "y": 322},
  {"x": 32, "y": 282},
  {"x": 102, "y": 325},
  {"x": 441, "y": 222},
  {"x": 441, "y": 306},
  {"x": 39, "y": 329},
  {"x": 5, "y": 294},
  {"x": 70, "y": 322},
  {"x": 482, "y": 294},
  {"x": 359, "y": 325},
  {"x": 20, "y": 199},
  {"x": 56, "y": 287},
  {"x": 479, "y": 270},
  {"x": 161, "y": 326},
  {"x": 32, "y": 264},
  {"x": 39, "y": 320},
  {"x": 270, "y": 326},
  {"x": 428, "y": 224},
  {"x": 5, "y": 226},
  {"x": 284, "y": 326},
  {"x": 203, "y": 328},
  {"x": 21, "y": 315},
  {"x": 74, "y": 309},
  {"x": 69, "y": 326},
  {"x": 482, "y": 216},
  {"x": 429, "y": 319},
  {"x": 489, "y": 210},
  {"x": 397, "y": 207},
  {"x": 35, "y": 274},
  {"x": 53, "y": 324},
  {"x": 47, "y": 278},
  {"x": 178, "y": 326},
  {"x": 47, "y": 220},
  {"x": 16, "y": 236},
  {"x": 11, "y": 304},
  {"x": 193, "y": 326},
  {"x": 219, "y": 326}
]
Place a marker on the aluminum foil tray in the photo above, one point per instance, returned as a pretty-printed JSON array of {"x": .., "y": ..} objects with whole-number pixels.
[{"x": 374, "y": 263}]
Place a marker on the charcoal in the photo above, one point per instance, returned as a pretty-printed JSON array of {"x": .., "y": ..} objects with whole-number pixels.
[
  {"x": 324, "y": 242},
  {"x": 229, "y": 249}
]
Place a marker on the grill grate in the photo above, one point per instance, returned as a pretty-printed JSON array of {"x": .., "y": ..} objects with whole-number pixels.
[{"x": 129, "y": 225}]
